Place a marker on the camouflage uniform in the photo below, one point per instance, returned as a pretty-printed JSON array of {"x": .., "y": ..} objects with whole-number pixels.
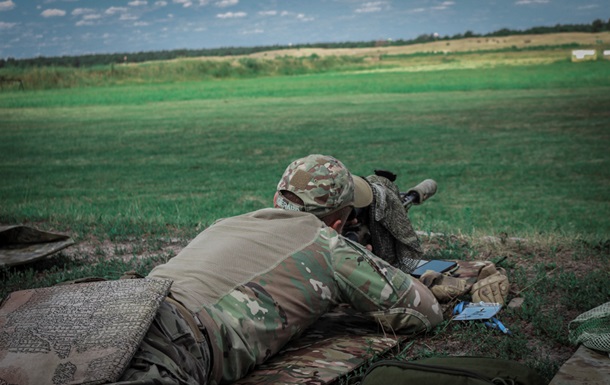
[
  {"x": 265, "y": 277},
  {"x": 247, "y": 285},
  {"x": 258, "y": 280}
]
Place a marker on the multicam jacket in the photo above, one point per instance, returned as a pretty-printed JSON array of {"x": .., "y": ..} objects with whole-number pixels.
[{"x": 259, "y": 280}]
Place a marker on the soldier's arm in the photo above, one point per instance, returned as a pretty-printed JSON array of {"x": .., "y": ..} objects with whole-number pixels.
[{"x": 382, "y": 292}]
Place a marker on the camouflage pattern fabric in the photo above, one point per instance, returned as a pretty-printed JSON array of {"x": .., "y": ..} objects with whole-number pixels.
[
  {"x": 172, "y": 352},
  {"x": 392, "y": 235},
  {"x": 72, "y": 334},
  {"x": 261, "y": 279},
  {"x": 338, "y": 344},
  {"x": 23, "y": 244},
  {"x": 585, "y": 367},
  {"x": 324, "y": 185}
]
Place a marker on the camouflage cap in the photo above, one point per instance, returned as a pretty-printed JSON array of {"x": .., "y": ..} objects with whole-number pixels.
[{"x": 324, "y": 184}]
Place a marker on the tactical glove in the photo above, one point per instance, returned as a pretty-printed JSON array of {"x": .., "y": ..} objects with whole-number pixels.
[
  {"x": 492, "y": 285},
  {"x": 444, "y": 287}
]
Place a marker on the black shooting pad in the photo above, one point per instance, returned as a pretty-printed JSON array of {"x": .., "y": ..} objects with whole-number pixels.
[{"x": 23, "y": 244}]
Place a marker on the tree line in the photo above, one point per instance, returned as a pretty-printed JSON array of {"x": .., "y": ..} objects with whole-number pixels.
[{"x": 92, "y": 60}]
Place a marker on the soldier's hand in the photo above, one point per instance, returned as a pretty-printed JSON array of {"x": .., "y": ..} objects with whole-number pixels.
[
  {"x": 492, "y": 286},
  {"x": 444, "y": 287}
]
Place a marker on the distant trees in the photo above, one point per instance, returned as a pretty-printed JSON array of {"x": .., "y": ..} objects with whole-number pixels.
[{"x": 597, "y": 25}]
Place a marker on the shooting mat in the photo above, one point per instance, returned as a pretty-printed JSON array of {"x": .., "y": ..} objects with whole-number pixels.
[
  {"x": 73, "y": 334},
  {"x": 339, "y": 343}
]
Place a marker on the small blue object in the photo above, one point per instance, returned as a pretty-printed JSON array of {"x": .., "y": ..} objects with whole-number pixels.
[
  {"x": 490, "y": 321},
  {"x": 494, "y": 323},
  {"x": 459, "y": 308}
]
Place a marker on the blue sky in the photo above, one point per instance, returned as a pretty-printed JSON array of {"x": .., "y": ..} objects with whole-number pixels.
[{"x": 30, "y": 28}]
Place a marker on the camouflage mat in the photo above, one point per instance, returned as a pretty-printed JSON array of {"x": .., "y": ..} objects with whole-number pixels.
[
  {"x": 339, "y": 343},
  {"x": 23, "y": 244},
  {"x": 75, "y": 334},
  {"x": 585, "y": 367}
]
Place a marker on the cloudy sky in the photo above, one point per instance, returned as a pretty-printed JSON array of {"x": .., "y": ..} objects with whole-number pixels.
[{"x": 30, "y": 28}]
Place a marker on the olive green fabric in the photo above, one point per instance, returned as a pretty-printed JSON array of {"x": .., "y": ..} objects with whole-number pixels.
[{"x": 451, "y": 371}]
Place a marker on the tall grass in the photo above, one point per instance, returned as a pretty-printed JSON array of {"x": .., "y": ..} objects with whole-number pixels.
[{"x": 181, "y": 70}]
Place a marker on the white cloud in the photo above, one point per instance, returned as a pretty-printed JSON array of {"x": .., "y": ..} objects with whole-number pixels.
[
  {"x": 526, "y": 2},
  {"x": 253, "y": 31},
  {"x": 126, "y": 16},
  {"x": 374, "y": 6},
  {"x": 92, "y": 16},
  {"x": 231, "y": 15},
  {"x": 82, "y": 11},
  {"x": 226, "y": 3},
  {"x": 160, "y": 3},
  {"x": 302, "y": 17},
  {"x": 81, "y": 23},
  {"x": 204, "y": 2},
  {"x": 185, "y": 3},
  {"x": 113, "y": 10},
  {"x": 53, "y": 12},
  {"x": 267, "y": 13},
  {"x": 136, "y": 3},
  {"x": 7, "y": 5},
  {"x": 444, "y": 5},
  {"x": 416, "y": 10},
  {"x": 141, "y": 24},
  {"x": 4, "y": 25},
  {"x": 589, "y": 6}
]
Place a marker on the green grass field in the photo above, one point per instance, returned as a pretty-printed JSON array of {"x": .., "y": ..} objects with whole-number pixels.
[{"x": 517, "y": 151}]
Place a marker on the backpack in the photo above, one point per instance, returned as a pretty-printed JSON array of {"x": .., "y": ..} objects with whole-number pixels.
[{"x": 451, "y": 370}]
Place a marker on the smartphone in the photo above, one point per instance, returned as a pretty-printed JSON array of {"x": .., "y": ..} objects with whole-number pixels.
[{"x": 434, "y": 265}]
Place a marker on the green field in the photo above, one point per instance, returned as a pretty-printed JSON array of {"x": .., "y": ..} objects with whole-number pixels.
[
  {"x": 517, "y": 151},
  {"x": 520, "y": 150}
]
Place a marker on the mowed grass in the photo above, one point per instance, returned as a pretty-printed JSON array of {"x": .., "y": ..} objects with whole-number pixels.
[
  {"x": 133, "y": 172},
  {"x": 517, "y": 150}
]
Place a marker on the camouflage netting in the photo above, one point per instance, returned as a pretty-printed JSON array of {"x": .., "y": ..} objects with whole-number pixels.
[
  {"x": 392, "y": 235},
  {"x": 592, "y": 328}
]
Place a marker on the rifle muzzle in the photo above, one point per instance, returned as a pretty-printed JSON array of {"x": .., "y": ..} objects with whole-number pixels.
[{"x": 423, "y": 191}]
